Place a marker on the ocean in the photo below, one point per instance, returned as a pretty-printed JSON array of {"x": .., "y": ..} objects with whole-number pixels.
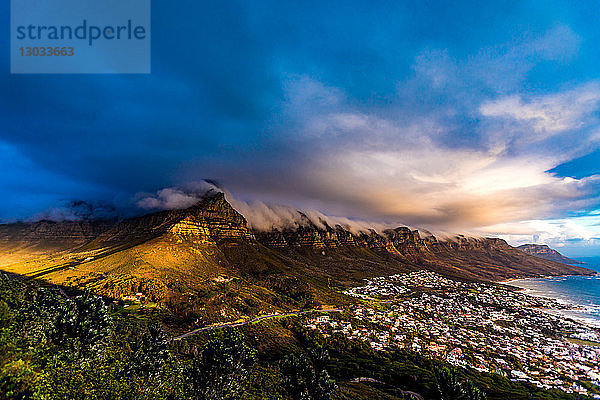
[{"x": 582, "y": 291}]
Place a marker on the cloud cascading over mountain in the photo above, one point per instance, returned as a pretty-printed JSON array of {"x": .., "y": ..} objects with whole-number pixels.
[{"x": 492, "y": 129}]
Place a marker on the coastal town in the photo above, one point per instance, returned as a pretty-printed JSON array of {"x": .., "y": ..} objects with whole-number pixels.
[{"x": 487, "y": 327}]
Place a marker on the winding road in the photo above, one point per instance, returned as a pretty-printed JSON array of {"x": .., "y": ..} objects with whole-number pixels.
[{"x": 251, "y": 321}]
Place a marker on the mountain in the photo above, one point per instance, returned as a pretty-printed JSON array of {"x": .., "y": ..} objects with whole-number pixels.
[
  {"x": 545, "y": 252},
  {"x": 205, "y": 263},
  {"x": 462, "y": 257}
]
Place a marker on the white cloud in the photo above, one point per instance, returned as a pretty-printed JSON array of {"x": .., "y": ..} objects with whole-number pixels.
[
  {"x": 448, "y": 188},
  {"x": 457, "y": 147},
  {"x": 501, "y": 68},
  {"x": 174, "y": 197},
  {"x": 571, "y": 233},
  {"x": 266, "y": 217},
  {"x": 424, "y": 170},
  {"x": 548, "y": 115}
]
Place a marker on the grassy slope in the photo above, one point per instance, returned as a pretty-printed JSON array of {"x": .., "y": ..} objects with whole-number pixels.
[{"x": 204, "y": 265}]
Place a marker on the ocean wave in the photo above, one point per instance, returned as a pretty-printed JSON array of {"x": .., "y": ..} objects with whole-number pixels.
[{"x": 580, "y": 294}]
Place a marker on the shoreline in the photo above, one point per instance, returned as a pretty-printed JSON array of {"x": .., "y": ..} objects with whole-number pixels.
[
  {"x": 509, "y": 280},
  {"x": 580, "y": 313}
]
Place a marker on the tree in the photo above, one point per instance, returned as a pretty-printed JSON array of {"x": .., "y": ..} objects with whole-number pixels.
[
  {"x": 81, "y": 325},
  {"x": 149, "y": 352},
  {"x": 473, "y": 392},
  {"x": 220, "y": 368},
  {"x": 306, "y": 378},
  {"x": 297, "y": 376},
  {"x": 450, "y": 388}
]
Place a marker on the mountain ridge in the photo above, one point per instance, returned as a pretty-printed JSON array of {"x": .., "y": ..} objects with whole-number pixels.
[
  {"x": 547, "y": 253},
  {"x": 205, "y": 261}
]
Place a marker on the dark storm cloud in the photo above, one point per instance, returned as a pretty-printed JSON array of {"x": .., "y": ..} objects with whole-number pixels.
[{"x": 389, "y": 111}]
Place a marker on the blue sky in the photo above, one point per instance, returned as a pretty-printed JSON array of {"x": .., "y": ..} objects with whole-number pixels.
[{"x": 447, "y": 116}]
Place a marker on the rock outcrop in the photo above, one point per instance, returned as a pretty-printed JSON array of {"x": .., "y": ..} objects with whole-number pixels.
[
  {"x": 463, "y": 257},
  {"x": 318, "y": 250},
  {"x": 545, "y": 252}
]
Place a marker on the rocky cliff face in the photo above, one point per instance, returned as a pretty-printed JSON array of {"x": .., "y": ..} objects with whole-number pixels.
[
  {"x": 50, "y": 234},
  {"x": 320, "y": 250},
  {"x": 222, "y": 221},
  {"x": 211, "y": 220},
  {"x": 545, "y": 252},
  {"x": 400, "y": 241},
  {"x": 333, "y": 248},
  {"x": 476, "y": 258}
]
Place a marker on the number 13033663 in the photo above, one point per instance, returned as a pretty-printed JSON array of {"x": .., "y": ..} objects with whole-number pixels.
[{"x": 47, "y": 51}]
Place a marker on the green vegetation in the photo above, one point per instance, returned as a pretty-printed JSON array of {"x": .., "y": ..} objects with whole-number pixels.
[
  {"x": 55, "y": 345},
  {"x": 306, "y": 377},
  {"x": 220, "y": 369},
  {"x": 393, "y": 374},
  {"x": 450, "y": 387},
  {"x": 60, "y": 344}
]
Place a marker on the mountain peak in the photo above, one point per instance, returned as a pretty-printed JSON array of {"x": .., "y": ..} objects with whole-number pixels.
[
  {"x": 547, "y": 253},
  {"x": 214, "y": 206},
  {"x": 211, "y": 235}
]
